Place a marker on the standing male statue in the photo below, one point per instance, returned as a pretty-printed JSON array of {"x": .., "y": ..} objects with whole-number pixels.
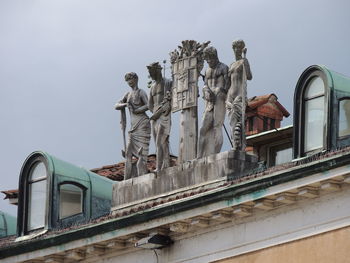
[
  {"x": 140, "y": 133},
  {"x": 239, "y": 73},
  {"x": 160, "y": 105},
  {"x": 214, "y": 93}
]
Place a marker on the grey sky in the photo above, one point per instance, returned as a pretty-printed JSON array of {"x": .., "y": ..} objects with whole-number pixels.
[{"x": 62, "y": 63}]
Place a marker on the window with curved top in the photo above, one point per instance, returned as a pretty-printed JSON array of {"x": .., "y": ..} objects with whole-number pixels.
[
  {"x": 71, "y": 200},
  {"x": 37, "y": 196},
  {"x": 314, "y": 114}
]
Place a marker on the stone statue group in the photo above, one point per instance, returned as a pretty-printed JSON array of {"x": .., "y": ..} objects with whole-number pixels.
[{"x": 225, "y": 90}]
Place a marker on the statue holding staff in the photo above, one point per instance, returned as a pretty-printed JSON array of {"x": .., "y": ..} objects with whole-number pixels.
[
  {"x": 236, "y": 102},
  {"x": 160, "y": 105},
  {"x": 140, "y": 129}
]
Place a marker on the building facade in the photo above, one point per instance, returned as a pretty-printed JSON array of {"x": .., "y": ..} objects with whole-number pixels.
[{"x": 289, "y": 201}]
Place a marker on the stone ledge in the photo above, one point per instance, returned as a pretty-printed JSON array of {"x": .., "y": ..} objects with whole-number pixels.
[{"x": 226, "y": 165}]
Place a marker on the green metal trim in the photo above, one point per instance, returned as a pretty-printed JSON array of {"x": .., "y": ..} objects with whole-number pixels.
[
  {"x": 340, "y": 82},
  {"x": 336, "y": 81},
  {"x": 8, "y": 224},
  {"x": 100, "y": 186}
]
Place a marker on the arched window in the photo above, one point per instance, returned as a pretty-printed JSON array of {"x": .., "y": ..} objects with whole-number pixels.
[
  {"x": 37, "y": 196},
  {"x": 314, "y": 114},
  {"x": 71, "y": 200}
]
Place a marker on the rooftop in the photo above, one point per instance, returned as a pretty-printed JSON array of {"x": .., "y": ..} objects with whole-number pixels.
[{"x": 239, "y": 198}]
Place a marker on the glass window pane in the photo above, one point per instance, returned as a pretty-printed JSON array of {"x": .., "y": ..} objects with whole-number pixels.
[
  {"x": 344, "y": 117},
  {"x": 71, "y": 200},
  {"x": 314, "y": 117},
  {"x": 315, "y": 88},
  {"x": 283, "y": 156},
  {"x": 37, "y": 205},
  {"x": 38, "y": 171}
]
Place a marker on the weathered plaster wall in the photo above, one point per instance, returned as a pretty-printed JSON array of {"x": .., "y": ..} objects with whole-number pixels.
[
  {"x": 275, "y": 228},
  {"x": 328, "y": 247}
]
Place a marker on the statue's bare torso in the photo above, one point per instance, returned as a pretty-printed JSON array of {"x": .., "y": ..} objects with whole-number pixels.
[{"x": 214, "y": 93}]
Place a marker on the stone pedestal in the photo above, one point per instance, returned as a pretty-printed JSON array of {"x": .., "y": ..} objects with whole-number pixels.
[{"x": 204, "y": 171}]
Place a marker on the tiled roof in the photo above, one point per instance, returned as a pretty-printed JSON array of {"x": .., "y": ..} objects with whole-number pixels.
[
  {"x": 115, "y": 172},
  {"x": 10, "y": 193},
  {"x": 258, "y": 101}
]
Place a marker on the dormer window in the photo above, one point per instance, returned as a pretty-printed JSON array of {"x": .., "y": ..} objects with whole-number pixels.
[
  {"x": 37, "y": 196},
  {"x": 321, "y": 111},
  {"x": 311, "y": 112},
  {"x": 56, "y": 194}
]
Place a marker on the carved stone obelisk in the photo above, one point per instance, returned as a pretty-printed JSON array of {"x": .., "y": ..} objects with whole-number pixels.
[{"x": 187, "y": 62}]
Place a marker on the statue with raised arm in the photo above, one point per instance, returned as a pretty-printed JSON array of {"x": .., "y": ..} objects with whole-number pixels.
[
  {"x": 236, "y": 102},
  {"x": 214, "y": 93},
  {"x": 160, "y": 105},
  {"x": 140, "y": 128}
]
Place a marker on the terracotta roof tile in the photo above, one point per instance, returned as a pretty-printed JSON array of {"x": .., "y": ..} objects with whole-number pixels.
[
  {"x": 115, "y": 172},
  {"x": 258, "y": 101},
  {"x": 10, "y": 194}
]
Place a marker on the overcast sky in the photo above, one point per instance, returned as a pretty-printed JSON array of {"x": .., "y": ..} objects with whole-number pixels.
[{"x": 62, "y": 64}]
